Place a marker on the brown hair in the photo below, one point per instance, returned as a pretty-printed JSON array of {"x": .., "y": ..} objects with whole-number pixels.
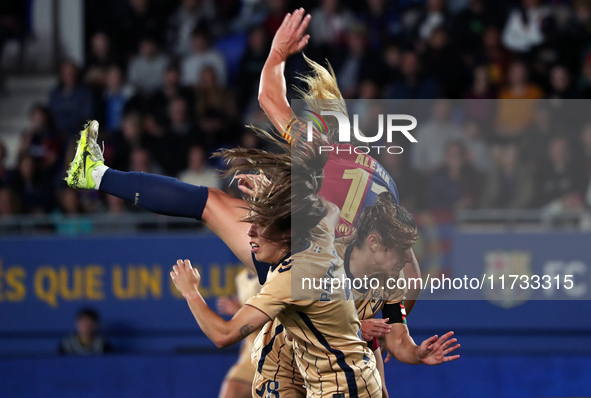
[
  {"x": 393, "y": 223},
  {"x": 290, "y": 202}
]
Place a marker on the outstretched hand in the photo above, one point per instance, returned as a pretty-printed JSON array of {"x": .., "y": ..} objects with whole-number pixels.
[
  {"x": 185, "y": 277},
  {"x": 289, "y": 38},
  {"x": 434, "y": 351}
]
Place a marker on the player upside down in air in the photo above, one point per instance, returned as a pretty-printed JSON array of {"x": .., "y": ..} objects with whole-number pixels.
[{"x": 322, "y": 94}]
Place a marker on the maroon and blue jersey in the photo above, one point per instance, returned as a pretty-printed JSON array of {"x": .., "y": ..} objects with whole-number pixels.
[{"x": 351, "y": 181}]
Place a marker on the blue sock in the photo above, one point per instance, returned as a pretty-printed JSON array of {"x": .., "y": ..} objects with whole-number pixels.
[{"x": 156, "y": 193}]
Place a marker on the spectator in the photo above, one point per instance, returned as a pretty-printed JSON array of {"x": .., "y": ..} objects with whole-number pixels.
[
  {"x": 565, "y": 114},
  {"x": 444, "y": 63},
  {"x": 121, "y": 142},
  {"x": 493, "y": 56},
  {"x": 585, "y": 81},
  {"x": 277, "y": 11},
  {"x": 9, "y": 204},
  {"x": 356, "y": 62},
  {"x": 480, "y": 104},
  {"x": 147, "y": 68},
  {"x": 536, "y": 139},
  {"x": 171, "y": 90},
  {"x": 42, "y": 141},
  {"x": 392, "y": 60},
  {"x": 510, "y": 185},
  {"x": 559, "y": 179},
  {"x": 139, "y": 21},
  {"x": 470, "y": 24},
  {"x": 179, "y": 120},
  {"x": 432, "y": 16},
  {"x": 70, "y": 102},
  {"x": 185, "y": 19},
  {"x": 98, "y": 61},
  {"x": 211, "y": 96},
  {"x": 140, "y": 160},
  {"x": 585, "y": 149},
  {"x": 455, "y": 185},
  {"x": 202, "y": 55},
  {"x": 69, "y": 218},
  {"x": 413, "y": 82},
  {"x": 428, "y": 154},
  {"x": 477, "y": 149},
  {"x": 115, "y": 98},
  {"x": 560, "y": 84},
  {"x": 524, "y": 28},
  {"x": 13, "y": 25},
  {"x": 215, "y": 130},
  {"x": 5, "y": 173},
  {"x": 198, "y": 171},
  {"x": 382, "y": 21},
  {"x": 33, "y": 190},
  {"x": 408, "y": 181},
  {"x": 575, "y": 35},
  {"x": 329, "y": 26},
  {"x": 167, "y": 149},
  {"x": 515, "y": 116},
  {"x": 86, "y": 340},
  {"x": 251, "y": 64}
]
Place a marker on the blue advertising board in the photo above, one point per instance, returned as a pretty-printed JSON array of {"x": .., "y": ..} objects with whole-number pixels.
[{"x": 44, "y": 281}]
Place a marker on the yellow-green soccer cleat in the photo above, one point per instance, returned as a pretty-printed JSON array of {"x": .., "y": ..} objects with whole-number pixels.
[{"x": 88, "y": 157}]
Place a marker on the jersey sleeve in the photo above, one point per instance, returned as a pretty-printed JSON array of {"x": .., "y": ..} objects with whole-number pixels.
[
  {"x": 396, "y": 295},
  {"x": 395, "y": 312},
  {"x": 275, "y": 295},
  {"x": 296, "y": 132}
]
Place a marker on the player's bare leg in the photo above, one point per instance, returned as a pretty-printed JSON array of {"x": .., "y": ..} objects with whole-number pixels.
[
  {"x": 223, "y": 215},
  {"x": 163, "y": 195}
]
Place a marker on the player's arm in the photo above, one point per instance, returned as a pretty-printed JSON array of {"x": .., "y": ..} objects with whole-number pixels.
[
  {"x": 288, "y": 40},
  {"x": 432, "y": 351},
  {"x": 412, "y": 272},
  {"x": 223, "y": 333}
]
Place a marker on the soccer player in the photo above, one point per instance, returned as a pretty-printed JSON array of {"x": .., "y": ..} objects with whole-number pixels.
[
  {"x": 238, "y": 380},
  {"x": 322, "y": 93},
  {"x": 325, "y": 333},
  {"x": 159, "y": 194},
  {"x": 379, "y": 249},
  {"x": 220, "y": 212}
]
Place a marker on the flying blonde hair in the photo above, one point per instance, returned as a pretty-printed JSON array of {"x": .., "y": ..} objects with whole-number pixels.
[{"x": 321, "y": 93}]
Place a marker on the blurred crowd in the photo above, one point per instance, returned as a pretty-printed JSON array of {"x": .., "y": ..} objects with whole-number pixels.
[{"x": 172, "y": 81}]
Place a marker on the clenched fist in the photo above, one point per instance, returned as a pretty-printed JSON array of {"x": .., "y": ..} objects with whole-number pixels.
[{"x": 185, "y": 277}]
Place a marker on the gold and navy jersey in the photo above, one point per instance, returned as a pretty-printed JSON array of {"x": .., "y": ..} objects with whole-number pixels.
[
  {"x": 328, "y": 350},
  {"x": 276, "y": 372},
  {"x": 247, "y": 285},
  {"x": 370, "y": 302},
  {"x": 272, "y": 354}
]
